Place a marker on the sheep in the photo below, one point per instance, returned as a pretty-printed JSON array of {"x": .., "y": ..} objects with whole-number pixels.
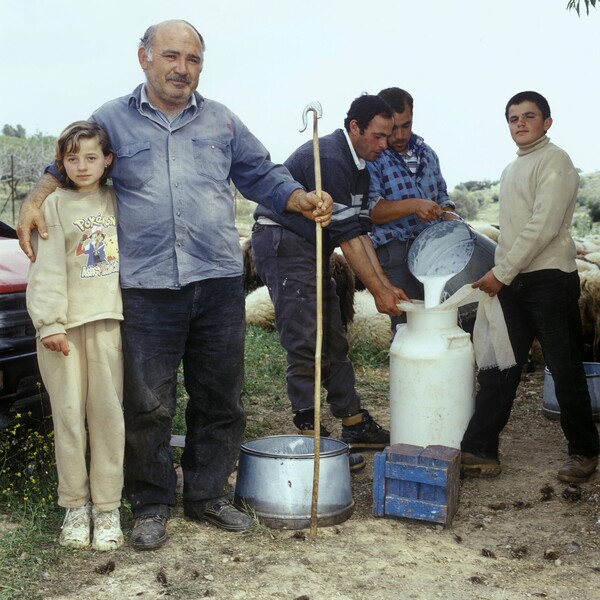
[
  {"x": 592, "y": 257},
  {"x": 367, "y": 324},
  {"x": 589, "y": 307},
  {"x": 588, "y": 244},
  {"x": 585, "y": 265},
  {"x": 251, "y": 278},
  {"x": 491, "y": 231},
  {"x": 345, "y": 283},
  {"x": 259, "y": 308},
  {"x": 363, "y": 322},
  {"x": 588, "y": 266},
  {"x": 580, "y": 248}
]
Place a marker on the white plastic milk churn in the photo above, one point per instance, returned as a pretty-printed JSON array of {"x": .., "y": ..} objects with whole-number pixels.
[
  {"x": 432, "y": 361},
  {"x": 432, "y": 378}
]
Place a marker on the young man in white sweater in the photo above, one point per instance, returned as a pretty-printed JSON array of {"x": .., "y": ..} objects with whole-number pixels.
[{"x": 536, "y": 280}]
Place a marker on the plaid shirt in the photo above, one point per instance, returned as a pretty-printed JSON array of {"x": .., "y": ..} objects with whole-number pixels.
[{"x": 392, "y": 179}]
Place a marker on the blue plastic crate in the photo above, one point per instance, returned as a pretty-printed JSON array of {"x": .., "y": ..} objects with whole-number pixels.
[{"x": 417, "y": 483}]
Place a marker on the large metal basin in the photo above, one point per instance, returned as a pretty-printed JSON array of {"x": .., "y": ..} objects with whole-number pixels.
[
  {"x": 550, "y": 408},
  {"x": 275, "y": 480}
]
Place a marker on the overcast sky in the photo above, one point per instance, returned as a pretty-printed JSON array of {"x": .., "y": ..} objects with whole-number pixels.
[{"x": 267, "y": 59}]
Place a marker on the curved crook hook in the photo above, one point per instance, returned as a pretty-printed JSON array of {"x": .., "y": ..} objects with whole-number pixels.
[{"x": 314, "y": 106}]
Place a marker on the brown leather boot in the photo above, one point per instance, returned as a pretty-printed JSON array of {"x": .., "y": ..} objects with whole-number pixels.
[
  {"x": 577, "y": 468},
  {"x": 479, "y": 466}
]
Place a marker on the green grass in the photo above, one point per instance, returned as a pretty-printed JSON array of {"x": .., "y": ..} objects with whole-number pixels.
[
  {"x": 365, "y": 356},
  {"x": 243, "y": 215},
  {"x": 29, "y": 516},
  {"x": 265, "y": 364},
  {"x": 28, "y": 549},
  {"x": 264, "y": 393}
]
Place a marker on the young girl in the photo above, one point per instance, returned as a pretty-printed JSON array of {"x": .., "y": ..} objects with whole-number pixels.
[{"x": 74, "y": 300}]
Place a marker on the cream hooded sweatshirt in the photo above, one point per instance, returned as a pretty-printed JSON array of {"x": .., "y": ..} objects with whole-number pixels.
[{"x": 75, "y": 278}]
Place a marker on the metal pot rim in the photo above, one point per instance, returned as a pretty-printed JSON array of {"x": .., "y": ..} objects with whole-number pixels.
[{"x": 260, "y": 447}]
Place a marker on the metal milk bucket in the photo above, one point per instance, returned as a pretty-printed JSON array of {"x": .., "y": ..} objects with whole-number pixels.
[
  {"x": 275, "y": 480},
  {"x": 550, "y": 408},
  {"x": 444, "y": 248},
  {"x": 452, "y": 246}
]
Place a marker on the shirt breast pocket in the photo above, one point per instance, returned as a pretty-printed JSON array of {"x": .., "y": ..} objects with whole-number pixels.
[
  {"x": 133, "y": 165},
  {"x": 212, "y": 159}
]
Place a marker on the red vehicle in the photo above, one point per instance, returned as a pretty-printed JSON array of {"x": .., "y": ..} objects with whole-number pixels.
[{"x": 21, "y": 388}]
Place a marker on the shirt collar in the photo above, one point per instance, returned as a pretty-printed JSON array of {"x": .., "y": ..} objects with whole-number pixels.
[
  {"x": 359, "y": 162},
  {"x": 539, "y": 143},
  {"x": 414, "y": 141},
  {"x": 145, "y": 101}
]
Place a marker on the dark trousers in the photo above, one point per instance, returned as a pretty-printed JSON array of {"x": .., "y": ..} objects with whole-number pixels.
[
  {"x": 202, "y": 325},
  {"x": 393, "y": 258},
  {"x": 286, "y": 263},
  {"x": 540, "y": 304}
]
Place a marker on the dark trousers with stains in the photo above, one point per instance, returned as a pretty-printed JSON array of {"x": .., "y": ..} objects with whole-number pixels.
[
  {"x": 542, "y": 304},
  {"x": 286, "y": 263},
  {"x": 202, "y": 326}
]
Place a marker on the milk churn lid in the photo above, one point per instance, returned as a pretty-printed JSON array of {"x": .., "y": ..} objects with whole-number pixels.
[{"x": 444, "y": 248}]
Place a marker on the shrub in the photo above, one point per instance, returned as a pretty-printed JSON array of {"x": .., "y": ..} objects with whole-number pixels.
[
  {"x": 27, "y": 465},
  {"x": 594, "y": 210},
  {"x": 581, "y": 225},
  {"x": 467, "y": 205}
]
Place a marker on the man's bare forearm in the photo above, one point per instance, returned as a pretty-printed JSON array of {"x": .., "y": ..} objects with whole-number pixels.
[
  {"x": 31, "y": 217},
  {"x": 43, "y": 188},
  {"x": 372, "y": 256},
  {"x": 386, "y": 211}
]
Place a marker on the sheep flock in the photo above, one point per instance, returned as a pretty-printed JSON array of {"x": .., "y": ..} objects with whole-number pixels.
[{"x": 363, "y": 322}]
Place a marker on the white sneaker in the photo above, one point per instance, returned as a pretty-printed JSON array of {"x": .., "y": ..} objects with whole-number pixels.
[
  {"x": 75, "y": 530},
  {"x": 107, "y": 530}
]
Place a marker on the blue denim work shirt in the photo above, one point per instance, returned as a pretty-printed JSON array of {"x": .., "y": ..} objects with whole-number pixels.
[{"x": 176, "y": 221}]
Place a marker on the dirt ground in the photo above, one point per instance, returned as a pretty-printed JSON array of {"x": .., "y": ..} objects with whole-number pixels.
[{"x": 521, "y": 535}]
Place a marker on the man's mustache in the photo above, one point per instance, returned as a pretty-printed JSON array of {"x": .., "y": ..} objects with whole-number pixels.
[{"x": 179, "y": 78}]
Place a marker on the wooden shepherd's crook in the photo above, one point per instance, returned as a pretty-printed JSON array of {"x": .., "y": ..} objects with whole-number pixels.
[{"x": 315, "y": 108}]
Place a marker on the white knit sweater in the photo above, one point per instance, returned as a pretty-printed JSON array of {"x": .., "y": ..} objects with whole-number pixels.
[{"x": 537, "y": 198}]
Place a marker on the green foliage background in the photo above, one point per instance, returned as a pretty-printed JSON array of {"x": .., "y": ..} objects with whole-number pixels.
[{"x": 24, "y": 158}]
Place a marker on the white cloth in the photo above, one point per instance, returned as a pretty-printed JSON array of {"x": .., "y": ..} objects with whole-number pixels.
[{"x": 490, "y": 337}]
